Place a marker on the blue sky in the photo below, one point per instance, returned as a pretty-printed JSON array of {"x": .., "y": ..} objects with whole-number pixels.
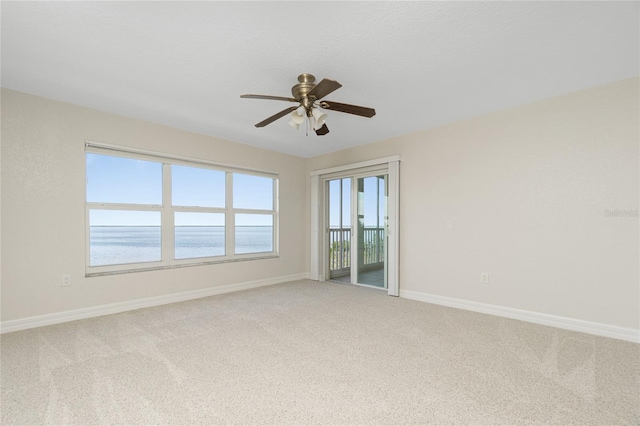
[{"x": 112, "y": 179}]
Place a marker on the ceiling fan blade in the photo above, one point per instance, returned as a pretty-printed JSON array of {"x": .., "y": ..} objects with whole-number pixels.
[
  {"x": 275, "y": 116},
  {"x": 322, "y": 130},
  {"x": 349, "y": 109},
  {"x": 273, "y": 98},
  {"x": 323, "y": 88}
]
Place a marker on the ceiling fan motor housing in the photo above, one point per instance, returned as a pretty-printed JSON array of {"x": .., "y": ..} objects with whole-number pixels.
[{"x": 300, "y": 91}]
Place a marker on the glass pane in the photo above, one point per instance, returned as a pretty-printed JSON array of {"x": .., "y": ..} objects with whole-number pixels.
[
  {"x": 254, "y": 233},
  {"x": 334, "y": 204},
  {"x": 193, "y": 186},
  {"x": 122, "y": 236},
  {"x": 123, "y": 180},
  {"x": 252, "y": 192},
  {"x": 199, "y": 235},
  {"x": 339, "y": 229},
  {"x": 371, "y": 232}
]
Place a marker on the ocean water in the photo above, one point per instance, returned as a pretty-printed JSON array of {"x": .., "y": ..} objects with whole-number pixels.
[{"x": 114, "y": 245}]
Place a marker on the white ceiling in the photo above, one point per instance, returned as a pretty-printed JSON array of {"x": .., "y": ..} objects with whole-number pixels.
[{"x": 419, "y": 64}]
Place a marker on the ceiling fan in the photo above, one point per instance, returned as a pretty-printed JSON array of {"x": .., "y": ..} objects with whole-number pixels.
[{"x": 308, "y": 96}]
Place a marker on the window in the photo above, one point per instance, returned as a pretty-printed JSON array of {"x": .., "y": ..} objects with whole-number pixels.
[
  {"x": 199, "y": 235},
  {"x": 253, "y": 204},
  {"x": 146, "y": 211},
  {"x": 197, "y": 187},
  {"x": 252, "y": 192},
  {"x": 124, "y": 236},
  {"x": 123, "y": 180},
  {"x": 254, "y": 233}
]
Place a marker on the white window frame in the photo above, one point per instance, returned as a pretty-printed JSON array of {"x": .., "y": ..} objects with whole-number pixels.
[{"x": 167, "y": 212}]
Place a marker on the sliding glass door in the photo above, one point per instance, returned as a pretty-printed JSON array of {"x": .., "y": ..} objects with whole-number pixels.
[{"x": 356, "y": 231}]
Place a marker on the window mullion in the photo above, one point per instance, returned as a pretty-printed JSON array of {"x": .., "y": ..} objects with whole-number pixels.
[
  {"x": 230, "y": 231},
  {"x": 87, "y": 237},
  {"x": 196, "y": 209},
  {"x": 252, "y": 211},
  {"x": 167, "y": 224},
  {"x": 117, "y": 206},
  {"x": 276, "y": 218}
]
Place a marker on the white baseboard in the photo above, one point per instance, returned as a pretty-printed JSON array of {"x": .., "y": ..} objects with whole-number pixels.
[
  {"x": 599, "y": 329},
  {"x": 114, "y": 308}
]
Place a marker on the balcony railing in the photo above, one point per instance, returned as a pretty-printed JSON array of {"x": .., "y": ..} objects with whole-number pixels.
[{"x": 340, "y": 247}]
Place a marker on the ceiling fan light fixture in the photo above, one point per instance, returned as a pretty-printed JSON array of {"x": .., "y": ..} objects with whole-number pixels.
[
  {"x": 296, "y": 118},
  {"x": 320, "y": 117},
  {"x": 293, "y": 124}
]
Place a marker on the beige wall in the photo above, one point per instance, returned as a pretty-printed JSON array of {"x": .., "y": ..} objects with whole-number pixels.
[
  {"x": 43, "y": 233},
  {"x": 527, "y": 189}
]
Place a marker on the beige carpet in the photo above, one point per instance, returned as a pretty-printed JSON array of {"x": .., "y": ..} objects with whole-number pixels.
[{"x": 314, "y": 353}]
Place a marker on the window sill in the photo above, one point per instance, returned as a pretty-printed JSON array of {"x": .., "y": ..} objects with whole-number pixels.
[{"x": 183, "y": 265}]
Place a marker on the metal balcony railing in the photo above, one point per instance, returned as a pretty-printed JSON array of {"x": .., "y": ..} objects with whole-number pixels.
[{"x": 340, "y": 247}]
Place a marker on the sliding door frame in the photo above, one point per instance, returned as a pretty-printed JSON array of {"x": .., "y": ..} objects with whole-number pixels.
[{"x": 319, "y": 215}]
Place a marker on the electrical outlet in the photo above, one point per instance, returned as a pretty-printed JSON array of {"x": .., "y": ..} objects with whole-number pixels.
[
  {"x": 66, "y": 280},
  {"x": 484, "y": 277}
]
